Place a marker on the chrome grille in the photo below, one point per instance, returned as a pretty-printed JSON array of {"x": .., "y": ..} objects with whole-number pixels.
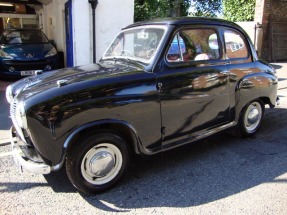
[
  {"x": 27, "y": 65},
  {"x": 13, "y": 107}
]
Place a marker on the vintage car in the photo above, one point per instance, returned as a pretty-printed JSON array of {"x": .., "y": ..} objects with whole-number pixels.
[
  {"x": 159, "y": 85},
  {"x": 25, "y": 52}
]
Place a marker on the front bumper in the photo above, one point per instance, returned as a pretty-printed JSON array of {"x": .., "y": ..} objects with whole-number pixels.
[
  {"x": 277, "y": 101},
  {"x": 13, "y": 68},
  {"x": 21, "y": 160}
]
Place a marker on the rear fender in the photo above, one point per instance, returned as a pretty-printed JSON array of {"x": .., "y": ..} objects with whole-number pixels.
[
  {"x": 262, "y": 86},
  {"x": 247, "y": 90}
]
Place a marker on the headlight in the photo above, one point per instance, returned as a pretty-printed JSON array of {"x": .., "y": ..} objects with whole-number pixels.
[
  {"x": 21, "y": 115},
  {"x": 52, "y": 52},
  {"x": 9, "y": 94},
  {"x": 5, "y": 55}
]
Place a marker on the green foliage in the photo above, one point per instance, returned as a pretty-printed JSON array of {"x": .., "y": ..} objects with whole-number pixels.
[
  {"x": 239, "y": 10},
  {"x": 150, "y": 9},
  {"x": 206, "y": 8}
]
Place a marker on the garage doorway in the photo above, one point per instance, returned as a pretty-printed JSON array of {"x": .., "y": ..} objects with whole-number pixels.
[{"x": 279, "y": 41}]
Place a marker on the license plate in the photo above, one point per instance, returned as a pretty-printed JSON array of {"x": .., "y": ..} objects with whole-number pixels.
[{"x": 29, "y": 72}]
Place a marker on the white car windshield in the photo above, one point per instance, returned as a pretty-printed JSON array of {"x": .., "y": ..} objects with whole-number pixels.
[{"x": 140, "y": 44}]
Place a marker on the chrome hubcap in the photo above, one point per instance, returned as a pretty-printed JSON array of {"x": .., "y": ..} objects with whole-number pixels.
[
  {"x": 101, "y": 163},
  {"x": 252, "y": 117}
]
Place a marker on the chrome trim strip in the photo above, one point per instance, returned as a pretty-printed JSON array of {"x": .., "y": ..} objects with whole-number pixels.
[{"x": 196, "y": 136}]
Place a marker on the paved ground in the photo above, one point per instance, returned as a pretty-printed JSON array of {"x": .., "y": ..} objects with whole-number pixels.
[
  {"x": 220, "y": 175},
  {"x": 281, "y": 73}
]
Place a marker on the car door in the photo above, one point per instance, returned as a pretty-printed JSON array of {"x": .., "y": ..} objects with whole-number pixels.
[
  {"x": 239, "y": 60},
  {"x": 194, "y": 85}
]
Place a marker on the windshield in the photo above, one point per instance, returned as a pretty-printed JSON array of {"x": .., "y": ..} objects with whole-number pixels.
[
  {"x": 139, "y": 44},
  {"x": 23, "y": 36}
]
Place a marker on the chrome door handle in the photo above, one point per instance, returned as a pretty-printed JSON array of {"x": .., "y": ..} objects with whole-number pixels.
[{"x": 224, "y": 72}]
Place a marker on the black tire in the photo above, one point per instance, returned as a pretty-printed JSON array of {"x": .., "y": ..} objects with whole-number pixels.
[
  {"x": 97, "y": 162},
  {"x": 250, "y": 119}
]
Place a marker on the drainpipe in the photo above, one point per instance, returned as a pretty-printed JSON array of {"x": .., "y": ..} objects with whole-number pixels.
[
  {"x": 94, "y": 4},
  {"x": 256, "y": 34}
]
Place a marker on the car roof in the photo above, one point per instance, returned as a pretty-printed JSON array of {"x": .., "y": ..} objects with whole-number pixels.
[{"x": 185, "y": 21}]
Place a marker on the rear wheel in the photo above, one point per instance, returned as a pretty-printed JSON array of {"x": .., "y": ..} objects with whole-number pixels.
[
  {"x": 97, "y": 162},
  {"x": 250, "y": 119}
]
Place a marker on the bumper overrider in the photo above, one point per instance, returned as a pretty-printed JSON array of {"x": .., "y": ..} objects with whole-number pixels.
[
  {"x": 277, "y": 101},
  {"x": 22, "y": 160}
]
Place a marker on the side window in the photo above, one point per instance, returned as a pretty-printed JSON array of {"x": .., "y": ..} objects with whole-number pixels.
[
  {"x": 194, "y": 45},
  {"x": 174, "y": 51},
  {"x": 235, "y": 45}
]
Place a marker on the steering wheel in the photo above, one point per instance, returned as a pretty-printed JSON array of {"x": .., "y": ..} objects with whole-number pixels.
[
  {"x": 127, "y": 51},
  {"x": 150, "y": 53}
]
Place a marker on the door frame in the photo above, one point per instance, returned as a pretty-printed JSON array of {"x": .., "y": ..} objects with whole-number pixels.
[{"x": 69, "y": 34}]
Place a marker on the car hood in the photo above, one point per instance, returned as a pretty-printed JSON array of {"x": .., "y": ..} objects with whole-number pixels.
[
  {"x": 27, "y": 51},
  {"x": 74, "y": 79}
]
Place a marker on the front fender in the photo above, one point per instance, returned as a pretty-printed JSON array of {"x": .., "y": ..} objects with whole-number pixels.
[{"x": 136, "y": 143}]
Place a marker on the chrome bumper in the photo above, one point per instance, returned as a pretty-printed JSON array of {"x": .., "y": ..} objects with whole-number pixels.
[
  {"x": 20, "y": 160},
  {"x": 277, "y": 101}
]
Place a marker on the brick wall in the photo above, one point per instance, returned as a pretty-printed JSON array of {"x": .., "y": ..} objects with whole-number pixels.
[{"x": 266, "y": 12}]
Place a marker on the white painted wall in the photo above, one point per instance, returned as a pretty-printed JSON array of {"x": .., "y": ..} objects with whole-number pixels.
[
  {"x": 111, "y": 16},
  {"x": 249, "y": 27},
  {"x": 82, "y": 27}
]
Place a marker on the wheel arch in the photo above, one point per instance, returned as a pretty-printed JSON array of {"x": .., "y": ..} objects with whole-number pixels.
[{"x": 121, "y": 128}]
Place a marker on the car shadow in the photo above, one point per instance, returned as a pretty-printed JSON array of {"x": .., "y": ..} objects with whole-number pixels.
[
  {"x": 208, "y": 170},
  {"x": 276, "y": 66},
  {"x": 60, "y": 182}
]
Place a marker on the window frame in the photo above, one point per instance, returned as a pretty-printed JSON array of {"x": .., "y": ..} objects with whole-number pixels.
[
  {"x": 176, "y": 32},
  {"x": 245, "y": 40}
]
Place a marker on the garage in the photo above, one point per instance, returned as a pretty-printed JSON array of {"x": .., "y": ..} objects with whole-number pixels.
[
  {"x": 70, "y": 24},
  {"x": 271, "y": 19}
]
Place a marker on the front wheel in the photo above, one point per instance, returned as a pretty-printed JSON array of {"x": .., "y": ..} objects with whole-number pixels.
[
  {"x": 250, "y": 119},
  {"x": 97, "y": 162}
]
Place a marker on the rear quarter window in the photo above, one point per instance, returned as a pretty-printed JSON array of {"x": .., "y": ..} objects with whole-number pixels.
[{"x": 235, "y": 44}]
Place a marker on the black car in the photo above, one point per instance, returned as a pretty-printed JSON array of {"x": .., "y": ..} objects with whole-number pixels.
[
  {"x": 25, "y": 52},
  {"x": 159, "y": 85}
]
